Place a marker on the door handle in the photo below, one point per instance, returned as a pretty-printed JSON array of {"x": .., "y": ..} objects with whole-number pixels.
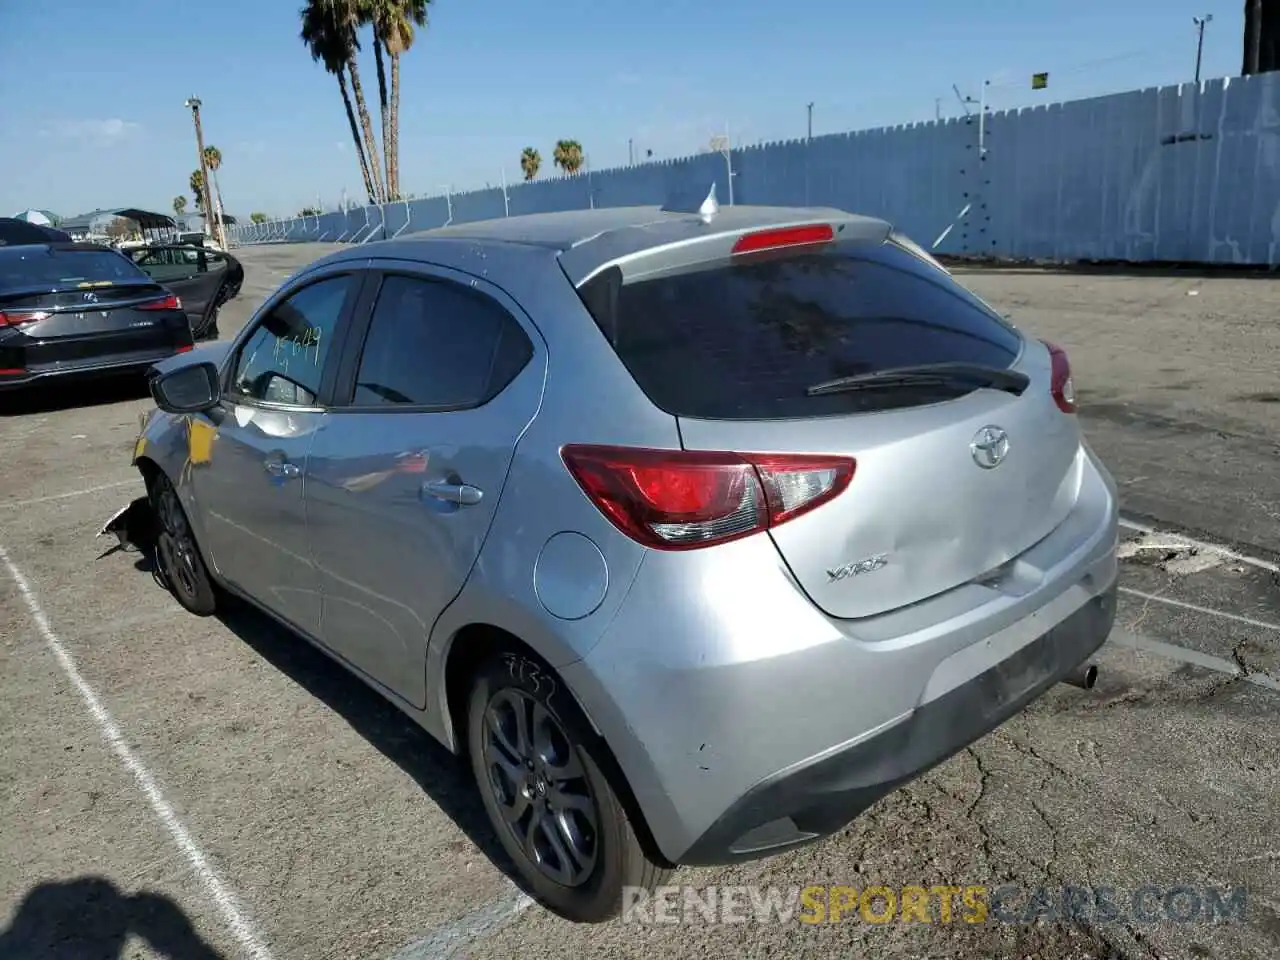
[
  {"x": 463, "y": 493},
  {"x": 281, "y": 468}
]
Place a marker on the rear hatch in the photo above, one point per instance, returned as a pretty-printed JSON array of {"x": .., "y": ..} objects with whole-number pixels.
[{"x": 733, "y": 347}]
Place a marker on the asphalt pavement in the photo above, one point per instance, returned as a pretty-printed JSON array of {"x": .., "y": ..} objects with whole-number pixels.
[{"x": 176, "y": 786}]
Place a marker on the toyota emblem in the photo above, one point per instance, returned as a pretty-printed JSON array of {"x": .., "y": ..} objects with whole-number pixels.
[{"x": 989, "y": 447}]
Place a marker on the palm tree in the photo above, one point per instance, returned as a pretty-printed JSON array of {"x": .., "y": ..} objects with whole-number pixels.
[
  {"x": 530, "y": 161},
  {"x": 179, "y": 205},
  {"x": 335, "y": 48},
  {"x": 213, "y": 160},
  {"x": 393, "y": 23},
  {"x": 568, "y": 155},
  {"x": 196, "y": 183},
  {"x": 329, "y": 31}
]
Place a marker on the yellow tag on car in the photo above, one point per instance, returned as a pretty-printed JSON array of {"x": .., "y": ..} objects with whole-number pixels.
[{"x": 200, "y": 441}]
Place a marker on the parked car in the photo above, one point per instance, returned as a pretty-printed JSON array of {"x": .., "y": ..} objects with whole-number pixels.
[
  {"x": 15, "y": 231},
  {"x": 204, "y": 278},
  {"x": 696, "y": 534},
  {"x": 80, "y": 310}
]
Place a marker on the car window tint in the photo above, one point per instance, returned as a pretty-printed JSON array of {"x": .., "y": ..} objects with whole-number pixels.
[
  {"x": 745, "y": 339},
  {"x": 437, "y": 344},
  {"x": 283, "y": 359}
]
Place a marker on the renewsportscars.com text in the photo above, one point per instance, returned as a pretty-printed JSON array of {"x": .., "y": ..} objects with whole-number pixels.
[{"x": 939, "y": 903}]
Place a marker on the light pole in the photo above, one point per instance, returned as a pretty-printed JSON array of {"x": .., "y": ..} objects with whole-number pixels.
[
  {"x": 810, "y": 106},
  {"x": 193, "y": 103},
  {"x": 1200, "y": 23}
]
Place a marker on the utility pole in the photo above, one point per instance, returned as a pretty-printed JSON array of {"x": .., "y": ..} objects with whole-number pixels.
[
  {"x": 937, "y": 108},
  {"x": 219, "y": 237},
  {"x": 631, "y": 154},
  {"x": 810, "y": 119},
  {"x": 1200, "y": 23}
]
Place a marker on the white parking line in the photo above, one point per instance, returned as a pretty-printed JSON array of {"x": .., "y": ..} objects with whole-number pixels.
[
  {"x": 445, "y": 941},
  {"x": 1176, "y": 539},
  {"x": 13, "y": 504},
  {"x": 218, "y": 891},
  {"x": 1170, "y": 651},
  {"x": 1210, "y": 611}
]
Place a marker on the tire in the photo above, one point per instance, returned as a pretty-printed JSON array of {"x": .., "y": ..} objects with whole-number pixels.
[
  {"x": 609, "y": 856},
  {"x": 208, "y": 324},
  {"x": 177, "y": 553}
]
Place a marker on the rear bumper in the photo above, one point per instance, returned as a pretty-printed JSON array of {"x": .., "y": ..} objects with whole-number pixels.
[
  {"x": 821, "y": 795},
  {"x": 746, "y": 721},
  {"x": 134, "y": 363}
]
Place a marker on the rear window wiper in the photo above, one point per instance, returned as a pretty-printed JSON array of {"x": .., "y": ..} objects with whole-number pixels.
[{"x": 926, "y": 374}]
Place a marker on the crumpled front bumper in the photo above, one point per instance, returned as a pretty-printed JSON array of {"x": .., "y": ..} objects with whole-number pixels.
[{"x": 134, "y": 526}]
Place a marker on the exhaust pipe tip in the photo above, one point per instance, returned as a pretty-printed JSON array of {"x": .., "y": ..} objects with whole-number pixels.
[{"x": 1084, "y": 676}]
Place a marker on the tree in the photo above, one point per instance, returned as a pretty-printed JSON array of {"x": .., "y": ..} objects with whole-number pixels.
[
  {"x": 530, "y": 162},
  {"x": 257, "y": 218},
  {"x": 335, "y": 46},
  {"x": 213, "y": 160},
  {"x": 196, "y": 183},
  {"x": 1261, "y": 36},
  {"x": 568, "y": 156},
  {"x": 329, "y": 31},
  {"x": 179, "y": 205},
  {"x": 308, "y": 212},
  {"x": 394, "y": 23},
  {"x": 120, "y": 228}
]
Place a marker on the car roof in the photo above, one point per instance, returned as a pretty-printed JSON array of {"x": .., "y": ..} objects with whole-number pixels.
[
  {"x": 588, "y": 240},
  {"x": 54, "y": 246}
]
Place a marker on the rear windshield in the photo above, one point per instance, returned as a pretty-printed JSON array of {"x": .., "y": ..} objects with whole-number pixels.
[
  {"x": 49, "y": 269},
  {"x": 745, "y": 340}
]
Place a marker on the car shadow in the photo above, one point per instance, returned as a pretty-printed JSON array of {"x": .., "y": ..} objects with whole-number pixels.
[
  {"x": 50, "y": 398},
  {"x": 444, "y": 777},
  {"x": 90, "y": 918}
]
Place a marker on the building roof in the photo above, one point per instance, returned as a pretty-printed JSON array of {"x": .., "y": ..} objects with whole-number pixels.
[{"x": 146, "y": 219}]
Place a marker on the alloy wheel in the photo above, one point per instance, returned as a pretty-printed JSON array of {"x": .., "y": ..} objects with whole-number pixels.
[
  {"x": 540, "y": 787},
  {"x": 176, "y": 545}
]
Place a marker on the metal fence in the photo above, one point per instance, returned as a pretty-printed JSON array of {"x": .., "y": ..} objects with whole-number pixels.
[{"x": 1180, "y": 173}]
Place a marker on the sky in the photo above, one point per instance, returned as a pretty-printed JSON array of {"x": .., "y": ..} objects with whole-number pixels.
[{"x": 92, "y": 115}]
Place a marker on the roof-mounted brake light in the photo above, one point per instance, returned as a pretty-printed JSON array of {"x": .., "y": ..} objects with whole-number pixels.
[{"x": 808, "y": 235}]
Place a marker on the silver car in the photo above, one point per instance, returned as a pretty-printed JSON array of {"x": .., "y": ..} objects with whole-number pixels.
[{"x": 697, "y": 533}]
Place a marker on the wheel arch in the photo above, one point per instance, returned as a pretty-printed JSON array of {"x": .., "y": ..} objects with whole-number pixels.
[{"x": 476, "y": 643}]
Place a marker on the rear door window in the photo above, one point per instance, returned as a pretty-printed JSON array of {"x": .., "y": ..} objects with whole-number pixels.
[
  {"x": 744, "y": 340},
  {"x": 438, "y": 345}
]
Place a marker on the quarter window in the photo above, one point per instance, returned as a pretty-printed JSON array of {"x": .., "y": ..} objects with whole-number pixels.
[
  {"x": 437, "y": 344},
  {"x": 283, "y": 360}
]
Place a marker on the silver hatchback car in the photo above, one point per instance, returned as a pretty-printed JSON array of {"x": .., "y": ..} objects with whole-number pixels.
[{"x": 698, "y": 533}]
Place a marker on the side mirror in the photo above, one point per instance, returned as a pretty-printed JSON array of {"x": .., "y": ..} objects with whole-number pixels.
[{"x": 190, "y": 389}]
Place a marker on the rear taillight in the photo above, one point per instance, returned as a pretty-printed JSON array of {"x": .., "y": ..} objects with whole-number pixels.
[
  {"x": 167, "y": 303},
  {"x": 12, "y": 318},
  {"x": 807, "y": 235},
  {"x": 1062, "y": 386},
  {"x": 681, "y": 500}
]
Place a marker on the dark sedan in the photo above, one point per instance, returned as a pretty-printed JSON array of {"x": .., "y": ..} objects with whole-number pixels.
[
  {"x": 81, "y": 310},
  {"x": 205, "y": 279}
]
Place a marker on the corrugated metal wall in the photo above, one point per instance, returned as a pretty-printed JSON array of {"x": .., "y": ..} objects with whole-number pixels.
[{"x": 1175, "y": 173}]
